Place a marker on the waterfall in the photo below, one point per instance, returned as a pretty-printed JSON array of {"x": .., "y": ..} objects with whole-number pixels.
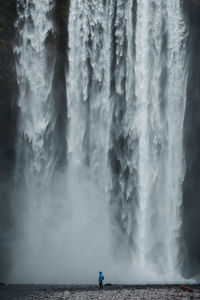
[
  {"x": 116, "y": 204},
  {"x": 127, "y": 92},
  {"x": 38, "y": 188},
  {"x": 36, "y": 103},
  {"x": 160, "y": 97}
]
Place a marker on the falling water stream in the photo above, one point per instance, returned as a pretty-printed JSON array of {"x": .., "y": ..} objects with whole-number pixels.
[{"x": 116, "y": 204}]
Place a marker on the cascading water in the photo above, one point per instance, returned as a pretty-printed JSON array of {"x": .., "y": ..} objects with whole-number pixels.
[
  {"x": 116, "y": 203},
  {"x": 131, "y": 86},
  {"x": 160, "y": 97},
  {"x": 35, "y": 84},
  {"x": 38, "y": 187}
]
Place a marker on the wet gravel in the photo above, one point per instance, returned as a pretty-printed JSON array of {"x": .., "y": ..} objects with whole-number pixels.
[{"x": 41, "y": 292}]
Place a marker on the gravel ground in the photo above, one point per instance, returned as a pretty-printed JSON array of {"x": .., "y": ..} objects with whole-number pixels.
[{"x": 91, "y": 292}]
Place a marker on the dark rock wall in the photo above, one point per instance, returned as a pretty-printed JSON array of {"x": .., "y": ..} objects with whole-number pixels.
[
  {"x": 8, "y": 86},
  {"x": 8, "y": 121},
  {"x": 191, "y": 188},
  {"x": 60, "y": 18}
]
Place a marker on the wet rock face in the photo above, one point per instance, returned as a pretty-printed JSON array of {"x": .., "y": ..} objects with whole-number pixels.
[
  {"x": 195, "y": 2},
  {"x": 8, "y": 87},
  {"x": 8, "y": 115},
  {"x": 60, "y": 17},
  {"x": 191, "y": 188}
]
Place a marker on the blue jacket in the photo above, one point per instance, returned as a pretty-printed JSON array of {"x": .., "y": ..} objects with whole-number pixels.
[{"x": 101, "y": 276}]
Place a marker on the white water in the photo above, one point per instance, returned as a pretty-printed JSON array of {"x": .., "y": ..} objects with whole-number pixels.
[
  {"x": 37, "y": 194},
  {"x": 159, "y": 123},
  {"x": 116, "y": 206}
]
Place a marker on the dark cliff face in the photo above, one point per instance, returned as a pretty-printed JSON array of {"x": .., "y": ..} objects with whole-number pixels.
[
  {"x": 191, "y": 188},
  {"x": 60, "y": 18},
  {"x": 8, "y": 86},
  {"x": 8, "y": 118}
]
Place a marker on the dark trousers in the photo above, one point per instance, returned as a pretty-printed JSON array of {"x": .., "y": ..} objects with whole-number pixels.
[{"x": 100, "y": 284}]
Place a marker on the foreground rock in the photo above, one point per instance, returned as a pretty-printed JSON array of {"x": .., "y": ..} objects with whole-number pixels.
[
  {"x": 91, "y": 292},
  {"x": 187, "y": 288}
]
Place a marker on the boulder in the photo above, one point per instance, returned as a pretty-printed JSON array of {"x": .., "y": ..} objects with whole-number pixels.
[
  {"x": 186, "y": 288},
  {"x": 108, "y": 284}
]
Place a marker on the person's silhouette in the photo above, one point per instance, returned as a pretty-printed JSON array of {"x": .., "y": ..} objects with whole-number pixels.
[{"x": 101, "y": 278}]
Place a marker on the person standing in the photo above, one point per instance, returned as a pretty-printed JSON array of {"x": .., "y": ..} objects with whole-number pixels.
[{"x": 101, "y": 278}]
